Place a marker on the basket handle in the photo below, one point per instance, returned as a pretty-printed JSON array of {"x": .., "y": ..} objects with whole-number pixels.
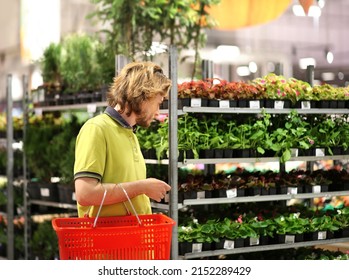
[{"x": 129, "y": 200}]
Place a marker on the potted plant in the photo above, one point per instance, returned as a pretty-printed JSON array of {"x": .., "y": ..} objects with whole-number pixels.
[
  {"x": 80, "y": 69},
  {"x": 50, "y": 64},
  {"x": 321, "y": 227},
  {"x": 196, "y": 237},
  {"x": 290, "y": 228}
]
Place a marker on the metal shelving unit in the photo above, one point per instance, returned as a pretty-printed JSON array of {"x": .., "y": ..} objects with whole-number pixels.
[
  {"x": 261, "y": 248},
  {"x": 191, "y": 202}
]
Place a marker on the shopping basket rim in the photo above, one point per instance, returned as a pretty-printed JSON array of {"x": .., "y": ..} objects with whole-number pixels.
[{"x": 74, "y": 222}]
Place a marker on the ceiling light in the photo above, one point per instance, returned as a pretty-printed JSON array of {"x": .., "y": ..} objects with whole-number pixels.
[
  {"x": 329, "y": 57},
  {"x": 305, "y": 62},
  {"x": 243, "y": 71},
  {"x": 252, "y": 66}
]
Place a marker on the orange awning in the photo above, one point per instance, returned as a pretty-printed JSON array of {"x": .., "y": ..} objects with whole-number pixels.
[{"x": 234, "y": 14}]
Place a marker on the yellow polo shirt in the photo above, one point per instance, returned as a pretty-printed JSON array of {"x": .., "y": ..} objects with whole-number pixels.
[{"x": 107, "y": 149}]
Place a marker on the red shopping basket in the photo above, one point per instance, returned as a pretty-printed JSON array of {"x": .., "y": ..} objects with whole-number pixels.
[{"x": 112, "y": 238}]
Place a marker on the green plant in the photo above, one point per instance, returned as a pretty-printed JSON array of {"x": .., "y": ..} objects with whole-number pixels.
[
  {"x": 188, "y": 134},
  {"x": 322, "y": 223},
  {"x": 292, "y": 132},
  {"x": 291, "y": 224},
  {"x": 196, "y": 232},
  {"x": 50, "y": 63},
  {"x": 80, "y": 69},
  {"x": 41, "y": 154},
  {"x": 44, "y": 243},
  {"x": 134, "y": 25},
  {"x": 263, "y": 227}
]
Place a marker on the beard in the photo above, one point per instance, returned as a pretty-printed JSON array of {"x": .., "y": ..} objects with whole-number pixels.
[{"x": 144, "y": 120}]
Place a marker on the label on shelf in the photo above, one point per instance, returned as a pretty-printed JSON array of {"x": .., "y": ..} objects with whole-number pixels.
[
  {"x": 38, "y": 112},
  {"x": 232, "y": 193},
  {"x": 322, "y": 235},
  {"x": 254, "y": 241},
  {"x": 319, "y": 152},
  {"x": 200, "y": 195},
  {"x": 196, "y": 248},
  {"x": 195, "y": 102},
  {"x": 73, "y": 196},
  {"x": 292, "y": 190},
  {"x": 305, "y": 105},
  {"x": 45, "y": 192},
  {"x": 254, "y": 104},
  {"x": 317, "y": 189},
  {"x": 167, "y": 197},
  {"x": 294, "y": 152},
  {"x": 290, "y": 238},
  {"x": 228, "y": 244},
  {"x": 91, "y": 108},
  {"x": 278, "y": 104},
  {"x": 224, "y": 104}
]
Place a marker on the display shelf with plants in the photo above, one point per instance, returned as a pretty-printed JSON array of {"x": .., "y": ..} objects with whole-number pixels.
[{"x": 222, "y": 116}]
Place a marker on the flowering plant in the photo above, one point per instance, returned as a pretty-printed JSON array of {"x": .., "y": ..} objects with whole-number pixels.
[{"x": 291, "y": 224}]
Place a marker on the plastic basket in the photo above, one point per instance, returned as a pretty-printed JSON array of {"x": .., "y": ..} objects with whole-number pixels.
[{"x": 112, "y": 238}]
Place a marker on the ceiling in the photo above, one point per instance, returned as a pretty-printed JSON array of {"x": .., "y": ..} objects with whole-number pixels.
[{"x": 298, "y": 37}]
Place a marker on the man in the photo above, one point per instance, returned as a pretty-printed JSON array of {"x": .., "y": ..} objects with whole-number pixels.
[{"x": 108, "y": 157}]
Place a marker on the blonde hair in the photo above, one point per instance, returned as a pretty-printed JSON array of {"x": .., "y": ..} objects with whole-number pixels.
[{"x": 136, "y": 83}]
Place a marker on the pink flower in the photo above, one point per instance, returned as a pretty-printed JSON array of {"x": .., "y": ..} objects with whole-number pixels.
[
  {"x": 239, "y": 220},
  {"x": 161, "y": 117}
]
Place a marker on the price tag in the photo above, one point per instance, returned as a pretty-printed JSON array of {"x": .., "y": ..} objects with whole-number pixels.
[
  {"x": 317, "y": 189},
  {"x": 319, "y": 152},
  {"x": 232, "y": 193},
  {"x": 294, "y": 152},
  {"x": 195, "y": 102},
  {"x": 322, "y": 235},
  {"x": 167, "y": 197},
  {"x": 292, "y": 190},
  {"x": 289, "y": 239},
  {"x": 200, "y": 195},
  {"x": 73, "y": 196},
  {"x": 224, "y": 104},
  {"x": 45, "y": 192},
  {"x": 91, "y": 108},
  {"x": 278, "y": 104},
  {"x": 254, "y": 104},
  {"x": 305, "y": 104},
  {"x": 196, "y": 248},
  {"x": 228, "y": 244},
  {"x": 38, "y": 112},
  {"x": 254, "y": 241}
]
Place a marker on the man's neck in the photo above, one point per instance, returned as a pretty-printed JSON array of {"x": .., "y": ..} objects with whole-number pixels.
[{"x": 130, "y": 119}]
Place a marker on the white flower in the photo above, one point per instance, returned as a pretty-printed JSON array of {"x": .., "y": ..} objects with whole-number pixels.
[
  {"x": 195, "y": 221},
  {"x": 186, "y": 229},
  {"x": 296, "y": 215},
  {"x": 339, "y": 212}
]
